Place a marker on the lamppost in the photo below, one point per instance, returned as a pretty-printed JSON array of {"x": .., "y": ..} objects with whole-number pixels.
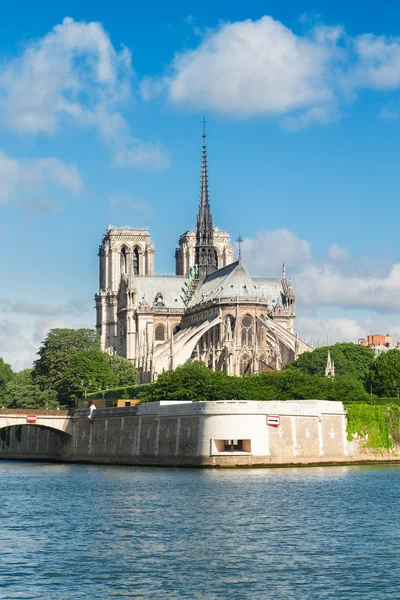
[
  {"x": 103, "y": 391},
  {"x": 86, "y": 387},
  {"x": 396, "y": 387}
]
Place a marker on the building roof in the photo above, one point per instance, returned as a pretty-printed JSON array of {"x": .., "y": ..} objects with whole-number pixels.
[
  {"x": 233, "y": 281},
  {"x": 169, "y": 286},
  {"x": 272, "y": 287}
]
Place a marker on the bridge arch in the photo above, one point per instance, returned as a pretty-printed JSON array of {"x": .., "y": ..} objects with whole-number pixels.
[{"x": 59, "y": 421}]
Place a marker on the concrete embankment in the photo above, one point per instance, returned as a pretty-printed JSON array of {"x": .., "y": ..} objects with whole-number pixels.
[{"x": 219, "y": 433}]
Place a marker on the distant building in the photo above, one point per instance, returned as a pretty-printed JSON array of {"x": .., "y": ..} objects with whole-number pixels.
[
  {"x": 376, "y": 340},
  {"x": 378, "y": 343}
]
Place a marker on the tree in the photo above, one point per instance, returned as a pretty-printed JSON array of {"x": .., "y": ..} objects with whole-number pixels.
[
  {"x": 351, "y": 360},
  {"x": 56, "y": 352},
  {"x": 360, "y": 357},
  {"x": 124, "y": 371},
  {"x": 22, "y": 392},
  {"x": 6, "y": 374},
  {"x": 85, "y": 365},
  {"x": 196, "y": 382},
  {"x": 385, "y": 373}
]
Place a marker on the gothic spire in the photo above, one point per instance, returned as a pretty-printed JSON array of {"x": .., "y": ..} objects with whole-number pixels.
[
  {"x": 204, "y": 218},
  {"x": 205, "y": 254}
]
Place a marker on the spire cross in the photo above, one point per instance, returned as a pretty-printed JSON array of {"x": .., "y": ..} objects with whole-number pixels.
[{"x": 240, "y": 242}]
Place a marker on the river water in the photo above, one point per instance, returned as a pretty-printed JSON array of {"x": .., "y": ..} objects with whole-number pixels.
[{"x": 100, "y": 532}]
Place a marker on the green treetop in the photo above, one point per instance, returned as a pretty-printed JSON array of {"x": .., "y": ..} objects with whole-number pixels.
[
  {"x": 351, "y": 360},
  {"x": 6, "y": 374},
  {"x": 385, "y": 373},
  {"x": 22, "y": 392},
  {"x": 56, "y": 352}
]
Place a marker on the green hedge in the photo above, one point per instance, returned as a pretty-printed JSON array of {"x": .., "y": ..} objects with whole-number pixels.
[{"x": 125, "y": 392}]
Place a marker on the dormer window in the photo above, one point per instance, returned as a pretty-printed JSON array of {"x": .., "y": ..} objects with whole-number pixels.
[{"x": 159, "y": 299}]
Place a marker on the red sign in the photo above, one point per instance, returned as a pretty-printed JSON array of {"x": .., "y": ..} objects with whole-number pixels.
[
  {"x": 31, "y": 419},
  {"x": 273, "y": 420}
]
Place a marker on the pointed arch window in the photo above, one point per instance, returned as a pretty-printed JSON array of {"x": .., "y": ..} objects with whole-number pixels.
[
  {"x": 247, "y": 331},
  {"x": 245, "y": 364},
  {"x": 124, "y": 262},
  {"x": 216, "y": 259},
  {"x": 136, "y": 261}
]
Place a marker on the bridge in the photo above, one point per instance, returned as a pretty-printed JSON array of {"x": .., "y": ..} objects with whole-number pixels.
[{"x": 55, "y": 420}]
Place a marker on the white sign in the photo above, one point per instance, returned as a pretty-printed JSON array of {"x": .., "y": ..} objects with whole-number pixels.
[{"x": 273, "y": 420}]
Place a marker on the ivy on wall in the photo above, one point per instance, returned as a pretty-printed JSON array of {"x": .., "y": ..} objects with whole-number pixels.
[{"x": 376, "y": 426}]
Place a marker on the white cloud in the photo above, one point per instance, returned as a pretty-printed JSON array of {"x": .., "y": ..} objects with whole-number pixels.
[
  {"x": 29, "y": 179},
  {"x": 249, "y": 68},
  {"x": 337, "y": 329},
  {"x": 330, "y": 286},
  {"x": 21, "y": 335},
  {"x": 268, "y": 251},
  {"x": 74, "y": 307},
  {"x": 343, "y": 297},
  {"x": 43, "y": 326},
  {"x": 377, "y": 62},
  {"x": 256, "y": 67},
  {"x": 74, "y": 75},
  {"x": 337, "y": 253}
]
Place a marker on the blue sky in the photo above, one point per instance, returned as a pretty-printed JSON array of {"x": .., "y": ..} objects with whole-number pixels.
[{"x": 100, "y": 121}]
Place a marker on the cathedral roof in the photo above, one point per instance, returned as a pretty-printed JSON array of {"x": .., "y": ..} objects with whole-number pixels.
[
  {"x": 231, "y": 281},
  {"x": 272, "y": 287},
  {"x": 170, "y": 287}
]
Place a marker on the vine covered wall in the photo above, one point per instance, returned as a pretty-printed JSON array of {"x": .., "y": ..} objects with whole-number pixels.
[{"x": 375, "y": 426}]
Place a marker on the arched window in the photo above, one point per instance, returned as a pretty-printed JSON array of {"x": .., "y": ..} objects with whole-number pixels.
[
  {"x": 216, "y": 258},
  {"x": 261, "y": 331},
  {"x": 159, "y": 333},
  {"x": 247, "y": 331},
  {"x": 124, "y": 264},
  {"x": 229, "y": 327},
  {"x": 136, "y": 261},
  {"x": 245, "y": 364},
  {"x": 263, "y": 365}
]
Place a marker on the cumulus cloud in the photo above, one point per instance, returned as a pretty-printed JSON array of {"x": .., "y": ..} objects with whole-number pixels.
[
  {"x": 75, "y": 307},
  {"x": 43, "y": 326},
  {"x": 74, "y": 76},
  {"x": 21, "y": 333},
  {"x": 255, "y": 67},
  {"x": 378, "y": 62},
  {"x": 261, "y": 67},
  {"x": 359, "y": 296},
  {"x": 27, "y": 180},
  {"x": 337, "y": 253},
  {"x": 337, "y": 329},
  {"x": 330, "y": 286},
  {"x": 265, "y": 254}
]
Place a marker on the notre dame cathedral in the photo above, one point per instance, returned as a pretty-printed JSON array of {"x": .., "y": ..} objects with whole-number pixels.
[{"x": 212, "y": 309}]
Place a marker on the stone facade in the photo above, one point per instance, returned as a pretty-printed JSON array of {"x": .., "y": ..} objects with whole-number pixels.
[
  {"x": 211, "y": 310},
  {"x": 216, "y": 433}
]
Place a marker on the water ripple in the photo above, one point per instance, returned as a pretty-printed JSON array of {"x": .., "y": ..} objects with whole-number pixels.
[{"x": 74, "y": 531}]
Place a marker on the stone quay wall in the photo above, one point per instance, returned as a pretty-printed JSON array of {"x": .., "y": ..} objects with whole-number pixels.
[{"x": 218, "y": 433}]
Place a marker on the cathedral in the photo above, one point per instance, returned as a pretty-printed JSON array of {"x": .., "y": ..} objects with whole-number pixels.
[{"x": 212, "y": 310}]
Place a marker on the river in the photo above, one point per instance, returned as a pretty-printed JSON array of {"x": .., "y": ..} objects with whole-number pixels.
[{"x": 102, "y": 532}]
